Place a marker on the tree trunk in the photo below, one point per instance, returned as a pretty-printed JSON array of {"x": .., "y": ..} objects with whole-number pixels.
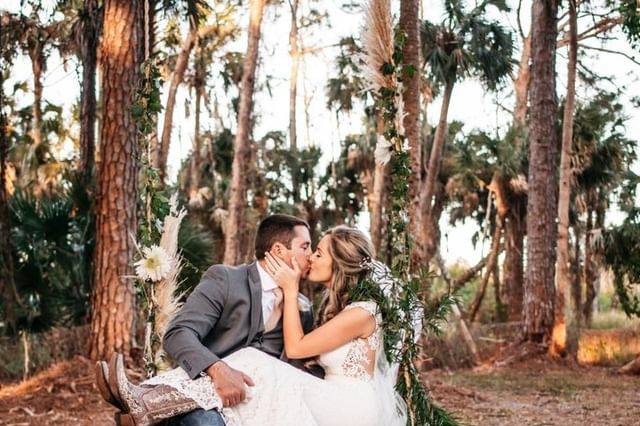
[
  {"x": 466, "y": 335},
  {"x": 576, "y": 281},
  {"x": 113, "y": 305},
  {"x": 194, "y": 179},
  {"x": 469, "y": 274},
  {"x": 375, "y": 206},
  {"x": 589, "y": 280},
  {"x": 497, "y": 285},
  {"x": 161, "y": 153},
  {"x": 515, "y": 228},
  {"x": 542, "y": 205},
  {"x": 377, "y": 195},
  {"x": 7, "y": 284},
  {"x": 410, "y": 26},
  {"x": 293, "y": 91},
  {"x": 592, "y": 258},
  {"x": 563, "y": 277},
  {"x": 515, "y": 223},
  {"x": 430, "y": 231},
  {"x": 242, "y": 150},
  {"x": 493, "y": 258},
  {"x": 89, "y": 51},
  {"x": 433, "y": 169},
  {"x": 37, "y": 67},
  {"x": 632, "y": 367},
  {"x": 521, "y": 84}
]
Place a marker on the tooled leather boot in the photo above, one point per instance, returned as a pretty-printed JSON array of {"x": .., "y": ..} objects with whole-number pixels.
[
  {"x": 145, "y": 405},
  {"x": 102, "y": 382}
]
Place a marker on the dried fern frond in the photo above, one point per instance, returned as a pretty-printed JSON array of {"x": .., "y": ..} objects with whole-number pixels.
[
  {"x": 377, "y": 41},
  {"x": 165, "y": 298}
]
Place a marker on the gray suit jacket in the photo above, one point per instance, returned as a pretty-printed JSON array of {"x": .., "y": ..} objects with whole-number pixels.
[{"x": 224, "y": 314}]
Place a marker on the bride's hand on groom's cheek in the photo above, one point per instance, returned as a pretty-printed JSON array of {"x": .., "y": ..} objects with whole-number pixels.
[{"x": 287, "y": 278}]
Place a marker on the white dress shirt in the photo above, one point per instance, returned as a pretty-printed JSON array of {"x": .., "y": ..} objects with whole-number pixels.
[{"x": 268, "y": 297}]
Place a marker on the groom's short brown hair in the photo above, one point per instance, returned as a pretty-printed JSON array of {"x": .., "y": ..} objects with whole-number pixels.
[{"x": 277, "y": 228}]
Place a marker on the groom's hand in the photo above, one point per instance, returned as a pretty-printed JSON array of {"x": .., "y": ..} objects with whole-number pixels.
[{"x": 229, "y": 383}]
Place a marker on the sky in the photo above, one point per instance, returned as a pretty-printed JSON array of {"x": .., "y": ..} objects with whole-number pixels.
[{"x": 470, "y": 103}]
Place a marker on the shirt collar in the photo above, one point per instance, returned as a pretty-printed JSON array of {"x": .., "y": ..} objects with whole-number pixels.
[{"x": 268, "y": 284}]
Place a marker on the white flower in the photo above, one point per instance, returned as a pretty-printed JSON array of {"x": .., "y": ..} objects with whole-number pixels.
[
  {"x": 155, "y": 265},
  {"x": 383, "y": 151}
]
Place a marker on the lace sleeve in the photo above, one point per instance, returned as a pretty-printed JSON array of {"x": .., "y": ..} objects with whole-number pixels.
[{"x": 369, "y": 306}]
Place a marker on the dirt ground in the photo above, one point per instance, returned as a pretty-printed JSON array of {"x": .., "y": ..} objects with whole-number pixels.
[
  {"x": 64, "y": 394},
  {"x": 536, "y": 393},
  {"x": 539, "y": 392}
]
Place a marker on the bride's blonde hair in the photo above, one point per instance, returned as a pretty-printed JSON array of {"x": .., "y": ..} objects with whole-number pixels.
[{"x": 348, "y": 248}]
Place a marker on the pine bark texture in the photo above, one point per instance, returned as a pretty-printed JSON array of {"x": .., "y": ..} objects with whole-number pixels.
[
  {"x": 539, "y": 291},
  {"x": 113, "y": 304}
]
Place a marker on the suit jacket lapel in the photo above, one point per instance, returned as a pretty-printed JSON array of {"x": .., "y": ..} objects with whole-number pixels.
[{"x": 255, "y": 290}]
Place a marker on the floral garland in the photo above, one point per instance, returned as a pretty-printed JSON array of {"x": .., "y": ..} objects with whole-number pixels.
[
  {"x": 383, "y": 68},
  {"x": 158, "y": 264}
]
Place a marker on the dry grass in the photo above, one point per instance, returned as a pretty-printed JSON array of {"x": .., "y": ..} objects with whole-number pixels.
[{"x": 608, "y": 347}]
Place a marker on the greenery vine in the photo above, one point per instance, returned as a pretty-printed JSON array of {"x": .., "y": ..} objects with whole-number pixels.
[
  {"x": 398, "y": 307},
  {"x": 153, "y": 200}
]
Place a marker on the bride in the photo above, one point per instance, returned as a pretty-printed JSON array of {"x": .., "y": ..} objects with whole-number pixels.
[{"x": 358, "y": 388}]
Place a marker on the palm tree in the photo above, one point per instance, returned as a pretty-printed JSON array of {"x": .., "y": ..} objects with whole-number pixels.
[
  {"x": 343, "y": 90},
  {"x": 52, "y": 238},
  {"x": 601, "y": 165},
  {"x": 242, "y": 149},
  {"x": 622, "y": 255},
  {"x": 539, "y": 291},
  {"x": 34, "y": 37},
  {"x": 113, "y": 304},
  {"x": 207, "y": 44},
  {"x": 473, "y": 166},
  {"x": 410, "y": 28},
  {"x": 465, "y": 44},
  {"x": 195, "y": 13}
]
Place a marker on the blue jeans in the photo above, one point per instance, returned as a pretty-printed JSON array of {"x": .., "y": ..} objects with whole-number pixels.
[{"x": 198, "y": 417}]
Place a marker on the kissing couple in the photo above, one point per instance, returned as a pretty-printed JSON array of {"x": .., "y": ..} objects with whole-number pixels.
[{"x": 242, "y": 337}]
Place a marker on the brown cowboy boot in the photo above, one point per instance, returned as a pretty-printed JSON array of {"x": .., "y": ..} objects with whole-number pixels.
[
  {"x": 102, "y": 382},
  {"x": 145, "y": 405}
]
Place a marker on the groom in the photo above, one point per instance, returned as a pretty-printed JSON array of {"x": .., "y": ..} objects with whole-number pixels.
[{"x": 235, "y": 307}]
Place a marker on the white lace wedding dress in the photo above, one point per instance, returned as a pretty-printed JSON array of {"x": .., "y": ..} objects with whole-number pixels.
[{"x": 354, "y": 391}]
